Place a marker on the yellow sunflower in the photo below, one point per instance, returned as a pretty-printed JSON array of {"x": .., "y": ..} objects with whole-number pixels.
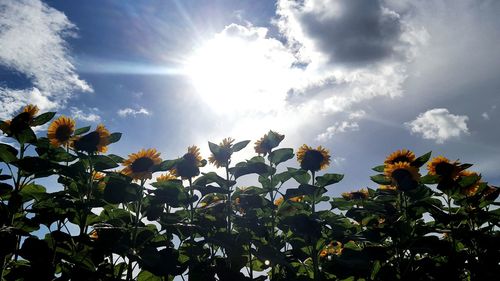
[
  {"x": 443, "y": 167},
  {"x": 387, "y": 187},
  {"x": 473, "y": 188},
  {"x": 403, "y": 175},
  {"x": 313, "y": 159},
  {"x": 269, "y": 141},
  {"x": 96, "y": 141},
  {"x": 32, "y": 110},
  {"x": 166, "y": 177},
  {"x": 60, "y": 131},
  {"x": 356, "y": 195},
  {"x": 334, "y": 248},
  {"x": 222, "y": 157},
  {"x": 140, "y": 165},
  {"x": 400, "y": 156},
  {"x": 280, "y": 200},
  {"x": 190, "y": 163}
]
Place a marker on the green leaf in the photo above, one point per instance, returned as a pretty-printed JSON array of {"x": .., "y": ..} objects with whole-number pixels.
[
  {"x": 147, "y": 276},
  {"x": 166, "y": 165},
  {"x": 305, "y": 189},
  {"x": 468, "y": 181},
  {"x": 242, "y": 169},
  {"x": 328, "y": 179},
  {"x": 239, "y": 145},
  {"x": 26, "y": 136},
  {"x": 381, "y": 179},
  {"x": 82, "y": 130},
  {"x": 8, "y": 153},
  {"x": 5, "y": 188},
  {"x": 301, "y": 176},
  {"x": 42, "y": 118},
  {"x": 429, "y": 179},
  {"x": 280, "y": 155},
  {"x": 103, "y": 162},
  {"x": 379, "y": 169},
  {"x": 114, "y": 137},
  {"x": 213, "y": 148},
  {"x": 420, "y": 161},
  {"x": 116, "y": 158},
  {"x": 119, "y": 190},
  {"x": 32, "y": 191}
]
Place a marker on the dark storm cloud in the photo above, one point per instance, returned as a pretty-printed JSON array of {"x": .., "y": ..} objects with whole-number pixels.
[{"x": 354, "y": 31}]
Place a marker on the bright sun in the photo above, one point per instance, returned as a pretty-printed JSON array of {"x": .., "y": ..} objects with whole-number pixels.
[{"x": 234, "y": 73}]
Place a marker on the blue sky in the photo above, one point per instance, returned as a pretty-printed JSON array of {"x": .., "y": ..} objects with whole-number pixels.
[{"x": 362, "y": 78}]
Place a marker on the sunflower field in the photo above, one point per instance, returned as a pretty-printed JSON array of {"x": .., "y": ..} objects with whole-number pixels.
[{"x": 141, "y": 217}]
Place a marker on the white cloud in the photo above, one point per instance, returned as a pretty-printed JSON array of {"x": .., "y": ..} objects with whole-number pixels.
[
  {"x": 358, "y": 114},
  {"x": 91, "y": 116},
  {"x": 485, "y": 116},
  {"x": 439, "y": 124},
  {"x": 32, "y": 42},
  {"x": 133, "y": 112},
  {"x": 338, "y": 127}
]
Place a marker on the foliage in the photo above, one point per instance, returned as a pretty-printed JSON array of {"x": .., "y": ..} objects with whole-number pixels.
[{"x": 97, "y": 223}]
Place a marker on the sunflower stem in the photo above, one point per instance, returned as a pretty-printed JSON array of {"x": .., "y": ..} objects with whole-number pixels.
[
  {"x": 136, "y": 226},
  {"x": 229, "y": 207},
  {"x": 313, "y": 246}
]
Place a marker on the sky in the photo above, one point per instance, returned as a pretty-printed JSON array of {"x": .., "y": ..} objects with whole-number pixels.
[{"x": 361, "y": 78}]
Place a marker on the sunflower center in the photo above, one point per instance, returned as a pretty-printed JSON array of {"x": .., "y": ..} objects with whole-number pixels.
[
  {"x": 142, "y": 164},
  {"x": 63, "y": 133},
  {"x": 312, "y": 160},
  {"x": 404, "y": 179},
  {"x": 444, "y": 169},
  {"x": 88, "y": 142}
]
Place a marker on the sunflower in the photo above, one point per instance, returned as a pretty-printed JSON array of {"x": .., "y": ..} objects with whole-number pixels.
[
  {"x": 139, "y": 166},
  {"x": 60, "y": 131},
  {"x": 94, "y": 235},
  {"x": 313, "y": 159},
  {"x": 32, "y": 110},
  {"x": 334, "y": 248},
  {"x": 166, "y": 177},
  {"x": 403, "y": 175},
  {"x": 400, "y": 156},
  {"x": 387, "y": 187},
  {"x": 268, "y": 142},
  {"x": 96, "y": 141},
  {"x": 222, "y": 157},
  {"x": 280, "y": 200},
  {"x": 97, "y": 176},
  {"x": 356, "y": 195},
  {"x": 472, "y": 188},
  {"x": 190, "y": 163},
  {"x": 443, "y": 167}
]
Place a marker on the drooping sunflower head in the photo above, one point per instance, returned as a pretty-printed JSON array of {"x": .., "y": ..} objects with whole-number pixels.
[
  {"x": 221, "y": 154},
  {"x": 403, "y": 155},
  {"x": 269, "y": 141},
  {"x": 96, "y": 141},
  {"x": 473, "y": 187},
  {"x": 279, "y": 201},
  {"x": 169, "y": 176},
  {"x": 32, "y": 110},
  {"x": 313, "y": 159},
  {"x": 443, "y": 167},
  {"x": 60, "y": 131},
  {"x": 189, "y": 164},
  {"x": 139, "y": 166},
  {"x": 403, "y": 175}
]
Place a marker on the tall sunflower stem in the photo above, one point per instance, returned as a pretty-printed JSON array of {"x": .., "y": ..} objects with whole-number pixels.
[
  {"x": 137, "y": 220},
  {"x": 314, "y": 242},
  {"x": 229, "y": 207}
]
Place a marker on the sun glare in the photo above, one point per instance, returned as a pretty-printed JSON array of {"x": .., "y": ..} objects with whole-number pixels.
[{"x": 232, "y": 73}]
